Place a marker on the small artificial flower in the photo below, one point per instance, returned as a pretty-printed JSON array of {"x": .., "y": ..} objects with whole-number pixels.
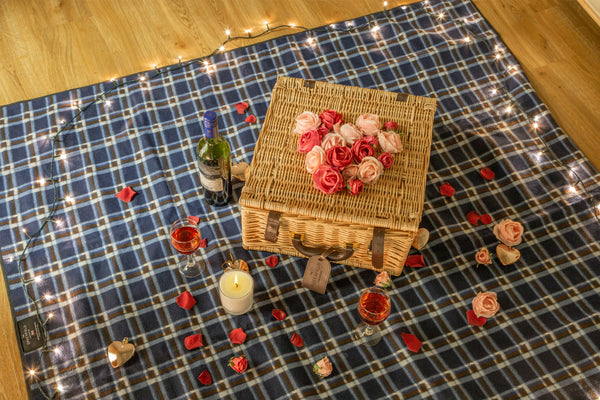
[
  {"x": 383, "y": 280},
  {"x": 238, "y": 364},
  {"x": 323, "y": 367}
]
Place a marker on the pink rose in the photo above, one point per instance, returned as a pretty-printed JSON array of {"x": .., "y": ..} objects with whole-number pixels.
[
  {"x": 371, "y": 140},
  {"x": 339, "y": 157},
  {"x": 369, "y": 124},
  {"x": 361, "y": 149},
  {"x": 369, "y": 170},
  {"x": 327, "y": 179},
  {"x": 308, "y": 140},
  {"x": 390, "y": 142},
  {"x": 351, "y": 171},
  {"x": 383, "y": 280},
  {"x": 350, "y": 133},
  {"x": 307, "y": 121},
  {"x": 483, "y": 256},
  {"x": 330, "y": 118},
  {"x": 332, "y": 139},
  {"x": 315, "y": 158},
  {"x": 322, "y": 131},
  {"x": 485, "y": 304},
  {"x": 390, "y": 126},
  {"x": 386, "y": 160},
  {"x": 354, "y": 186},
  {"x": 239, "y": 364},
  {"x": 508, "y": 232},
  {"x": 323, "y": 368}
]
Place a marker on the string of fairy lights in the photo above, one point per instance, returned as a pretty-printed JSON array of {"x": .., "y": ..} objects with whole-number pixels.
[{"x": 438, "y": 13}]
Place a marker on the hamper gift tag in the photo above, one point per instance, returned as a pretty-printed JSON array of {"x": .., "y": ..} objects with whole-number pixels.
[{"x": 316, "y": 275}]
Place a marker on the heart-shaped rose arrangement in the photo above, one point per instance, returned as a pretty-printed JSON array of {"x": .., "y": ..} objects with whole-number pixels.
[{"x": 345, "y": 155}]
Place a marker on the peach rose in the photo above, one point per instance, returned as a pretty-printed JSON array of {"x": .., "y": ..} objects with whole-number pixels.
[
  {"x": 369, "y": 124},
  {"x": 509, "y": 232},
  {"x": 351, "y": 171},
  {"x": 323, "y": 368},
  {"x": 483, "y": 256},
  {"x": 383, "y": 280},
  {"x": 369, "y": 170},
  {"x": 485, "y": 304},
  {"x": 332, "y": 139},
  {"x": 390, "y": 142},
  {"x": 307, "y": 121},
  {"x": 328, "y": 180},
  {"x": 349, "y": 132},
  {"x": 314, "y": 159}
]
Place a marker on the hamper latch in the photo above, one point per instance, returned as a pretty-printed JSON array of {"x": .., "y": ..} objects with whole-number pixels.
[{"x": 272, "y": 228}]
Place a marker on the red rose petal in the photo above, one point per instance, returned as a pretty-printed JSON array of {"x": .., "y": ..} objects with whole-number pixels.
[
  {"x": 250, "y": 119},
  {"x": 126, "y": 194},
  {"x": 272, "y": 261},
  {"x": 185, "y": 300},
  {"x": 297, "y": 340},
  {"x": 473, "y": 217},
  {"x": 237, "y": 336},
  {"x": 279, "y": 314},
  {"x": 486, "y": 219},
  {"x": 487, "y": 173},
  {"x": 205, "y": 378},
  {"x": 415, "y": 261},
  {"x": 241, "y": 107},
  {"x": 203, "y": 243},
  {"x": 193, "y": 341},
  {"x": 411, "y": 341},
  {"x": 473, "y": 320},
  {"x": 194, "y": 220},
  {"x": 447, "y": 190}
]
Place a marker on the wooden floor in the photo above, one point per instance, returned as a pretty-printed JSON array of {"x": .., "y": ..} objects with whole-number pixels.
[{"x": 54, "y": 45}]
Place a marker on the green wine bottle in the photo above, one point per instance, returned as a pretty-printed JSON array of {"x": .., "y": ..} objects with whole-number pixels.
[{"x": 214, "y": 162}]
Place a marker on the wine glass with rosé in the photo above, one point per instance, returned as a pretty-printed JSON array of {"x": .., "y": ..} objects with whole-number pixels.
[
  {"x": 185, "y": 238},
  {"x": 373, "y": 308}
]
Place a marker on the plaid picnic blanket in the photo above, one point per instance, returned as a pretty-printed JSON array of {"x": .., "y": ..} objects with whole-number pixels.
[{"x": 110, "y": 272}]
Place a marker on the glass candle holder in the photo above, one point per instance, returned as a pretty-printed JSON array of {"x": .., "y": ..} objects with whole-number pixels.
[{"x": 236, "y": 290}]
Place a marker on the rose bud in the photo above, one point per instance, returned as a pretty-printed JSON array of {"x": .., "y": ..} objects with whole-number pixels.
[
  {"x": 354, "y": 186},
  {"x": 386, "y": 160}
]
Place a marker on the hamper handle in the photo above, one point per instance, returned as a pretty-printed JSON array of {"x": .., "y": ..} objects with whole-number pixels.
[{"x": 337, "y": 255}]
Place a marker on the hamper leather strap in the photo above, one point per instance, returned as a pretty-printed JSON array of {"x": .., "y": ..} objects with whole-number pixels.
[
  {"x": 331, "y": 254},
  {"x": 272, "y": 228},
  {"x": 377, "y": 248}
]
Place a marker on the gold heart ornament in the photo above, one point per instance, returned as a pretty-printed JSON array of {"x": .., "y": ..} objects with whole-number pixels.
[
  {"x": 120, "y": 352},
  {"x": 507, "y": 255}
]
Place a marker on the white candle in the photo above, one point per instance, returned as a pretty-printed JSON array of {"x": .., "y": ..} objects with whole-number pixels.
[{"x": 236, "y": 288}]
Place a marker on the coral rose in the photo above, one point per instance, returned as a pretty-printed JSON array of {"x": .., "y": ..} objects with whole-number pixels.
[
  {"x": 390, "y": 142},
  {"x": 323, "y": 368},
  {"x": 386, "y": 160},
  {"x": 483, "y": 256},
  {"x": 351, "y": 171},
  {"x": 328, "y": 179},
  {"x": 349, "y": 132},
  {"x": 329, "y": 118},
  {"x": 369, "y": 170},
  {"x": 322, "y": 131},
  {"x": 485, "y": 304},
  {"x": 307, "y": 121},
  {"x": 509, "y": 232},
  {"x": 369, "y": 124},
  {"x": 361, "y": 149},
  {"x": 390, "y": 126},
  {"x": 308, "y": 140},
  {"x": 332, "y": 139},
  {"x": 383, "y": 280},
  {"x": 238, "y": 364},
  {"x": 354, "y": 186},
  {"x": 315, "y": 158},
  {"x": 339, "y": 156}
]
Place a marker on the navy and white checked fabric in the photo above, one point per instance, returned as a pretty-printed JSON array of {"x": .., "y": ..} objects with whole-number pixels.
[{"x": 112, "y": 274}]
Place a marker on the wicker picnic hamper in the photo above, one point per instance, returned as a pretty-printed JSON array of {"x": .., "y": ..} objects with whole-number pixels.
[{"x": 283, "y": 213}]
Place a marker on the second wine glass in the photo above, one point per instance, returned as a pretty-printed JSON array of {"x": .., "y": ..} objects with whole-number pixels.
[{"x": 185, "y": 238}]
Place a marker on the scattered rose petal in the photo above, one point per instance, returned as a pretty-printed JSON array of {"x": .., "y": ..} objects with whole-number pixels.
[
  {"x": 415, "y": 261},
  {"x": 126, "y": 194},
  {"x": 241, "y": 107},
  {"x": 203, "y": 243},
  {"x": 185, "y": 300},
  {"x": 272, "y": 261},
  {"x": 411, "y": 341},
  {"x": 473, "y": 217},
  {"x": 239, "y": 364},
  {"x": 487, "y": 173},
  {"x": 447, "y": 190},
  {"x": 193, "y": 341},
  {"x": 194, "y": 220},
  {"x": 279, "y": 314},
  {"x": 297, "y": 340},
  {"x": 473, "y": 320},
  {"x": 237, "y": 336},
  {"x": 485, "y": 219},
  {"x": 250, "y": 119},
  {"x": 205, "y": 378}
]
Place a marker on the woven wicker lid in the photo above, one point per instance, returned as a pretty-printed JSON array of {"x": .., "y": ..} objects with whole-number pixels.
[{"x": 278, "y": 178}]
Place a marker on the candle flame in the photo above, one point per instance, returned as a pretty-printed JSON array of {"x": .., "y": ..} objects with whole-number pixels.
[{"x": 235, "y": 282}]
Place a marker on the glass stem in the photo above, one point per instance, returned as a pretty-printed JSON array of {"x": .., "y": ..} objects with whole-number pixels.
[
  {"x": 368, "y": 331},
  {"x": 190, "y": 260}
]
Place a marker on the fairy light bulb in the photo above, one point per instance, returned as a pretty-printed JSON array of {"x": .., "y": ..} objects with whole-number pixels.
[
  {"x": 41, "y": 182},
  {"x": 31, "y": 372},
  {"x": 205, "y": 63},
  {"x": 142, "y": 78},
  {"x": 59, "y": 222},
  {"x": 292, "y": 25},
  {"x": 572, "y": 189},
  {"x": 69, "y": 199},
  {"x": 332, "y": 26},
  {"x": 441, "y": 16},
  {"x": 508, "y": 109},
  {"x": 60, "y": 387},
  {"x": 536, "y": 125},
  {"x": 375, "y": 29},
  {"x": 227, "y": 32},
  {"x": 62, "y": 121},
  {"x": 467, "y": 39},
  {"x": 498, "y": 56},
  {"x": 107, "y": 103},
  {"x": 310, "y": 41},
  {"x": 385, "y": 3},
  {"x": 222, "y": 48},
  {"x": 248, "y": 31},
  {"x": 37, "y": 279}
]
